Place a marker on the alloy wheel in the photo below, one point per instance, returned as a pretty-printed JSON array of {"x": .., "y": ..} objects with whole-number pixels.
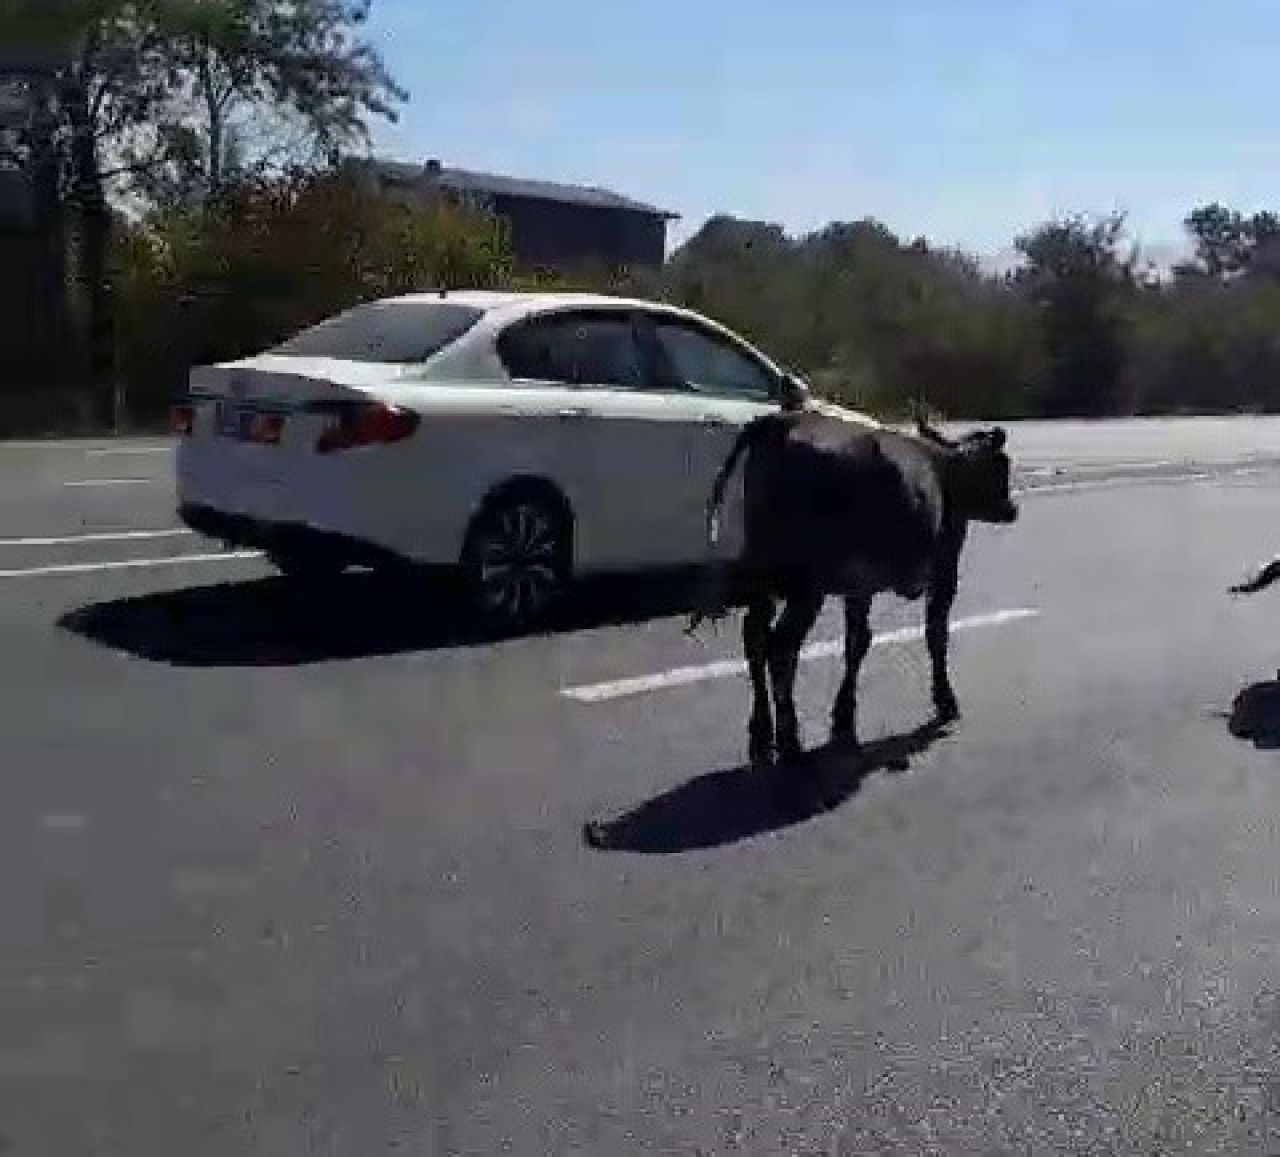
[{"x": 517, "y": 556}]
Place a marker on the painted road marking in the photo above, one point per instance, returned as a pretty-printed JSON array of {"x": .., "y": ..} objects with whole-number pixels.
[
  {"x": 1094, "y": 467},
  {"x": 1059, "y": 468},
  {"x": 1135, "y": 480},
  {"x": 112, "y": 482},
  {"x": 82, "y": 444},
  {"x": 64, "y": 821},
  {"x": 127, "y": 451},
  {"x": 1093, "y": 484},
  {"x": 98, "y": 536},
  {"x": 682, "y": 676},
  {"x": 128, "y": 564},
  {"x": 198, "y": 559}
]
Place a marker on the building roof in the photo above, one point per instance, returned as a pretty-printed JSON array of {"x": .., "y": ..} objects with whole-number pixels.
[{"x": 494, "y": 184}]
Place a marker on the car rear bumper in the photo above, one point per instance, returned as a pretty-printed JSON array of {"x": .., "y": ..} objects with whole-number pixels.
[{"x": 246, "y": 532}]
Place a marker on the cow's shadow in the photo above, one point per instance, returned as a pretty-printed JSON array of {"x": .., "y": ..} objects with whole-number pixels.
[
  {"x": 1255, "y": 715},
  {"x": 724, "y": 807}
]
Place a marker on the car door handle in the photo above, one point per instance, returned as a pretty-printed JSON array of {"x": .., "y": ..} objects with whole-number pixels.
[
  {"x": 713, "y": 421},
  {"x": 568, "y": 412}
]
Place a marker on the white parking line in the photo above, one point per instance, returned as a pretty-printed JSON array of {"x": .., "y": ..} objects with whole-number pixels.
[
  {"x": 128, "y": 564},
  {"x": 681, "y": 676},
  {"x": 1094, "y": 484},
  {"x": 82, "y": 444},
  {"x": 1137, "y": 480},
  {"x": 1097, "y": 467},
  {"x": 127, "y": 451},
  {"x": 98, "y": 536},
  {"x": 64, "y": 821},
  {"x": 112, "y": 482}
]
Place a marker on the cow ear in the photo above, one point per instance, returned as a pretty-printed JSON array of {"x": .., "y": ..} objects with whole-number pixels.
[{"x": 998, "y": 437}]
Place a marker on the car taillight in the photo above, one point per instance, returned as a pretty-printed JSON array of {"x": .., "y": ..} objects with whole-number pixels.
[
  {"x": 266, "y": 429},
  {"x": 182, "y": 418},
  {"x": 366, "y": 424}
]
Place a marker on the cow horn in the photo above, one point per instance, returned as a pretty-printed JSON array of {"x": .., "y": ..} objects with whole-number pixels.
[{"x": 928, "y": 432}]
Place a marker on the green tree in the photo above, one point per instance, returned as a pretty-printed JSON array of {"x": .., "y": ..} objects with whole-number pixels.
[
  {"x": 261, "y": 83},
  {"x": 1227, "y": 243},
  {"x": 145, "y": 88},
  {"x": 873, "y": 321},
  {"x": 1221, "y": 239},
  {"x": 1080, "y": 280},
  {"x": 203, "y": 283}
]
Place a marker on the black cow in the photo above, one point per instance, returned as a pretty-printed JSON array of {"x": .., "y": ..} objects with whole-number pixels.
[{"x": 836, "y": 507}]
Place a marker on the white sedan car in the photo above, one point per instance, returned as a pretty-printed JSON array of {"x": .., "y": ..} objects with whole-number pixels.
[{"x": 528, "y": 437}]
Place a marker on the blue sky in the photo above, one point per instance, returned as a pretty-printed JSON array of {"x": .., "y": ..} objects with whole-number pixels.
[{"x": 964, "y": 120}]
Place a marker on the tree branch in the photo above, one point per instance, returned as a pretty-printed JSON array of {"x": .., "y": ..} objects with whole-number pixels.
[{"x": 134, "y": 168}]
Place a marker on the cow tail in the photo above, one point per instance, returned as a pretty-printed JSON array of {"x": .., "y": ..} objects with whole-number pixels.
[
  {"x": 715, "y": 504},
  {"x": 1263, "y": 579},
  {"x": 711, "y": 602}
]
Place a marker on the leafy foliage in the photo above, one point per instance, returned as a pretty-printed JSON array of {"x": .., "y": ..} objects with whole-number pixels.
[
  {"x": 193, "y": 90},
  {"x": 871, "y": 320},
  {"x": 214, "y": 282},
  {"x": 143, "y": 95},
  {"x": 217, "y": 123},
  {"x": 1079, "y": 329}
]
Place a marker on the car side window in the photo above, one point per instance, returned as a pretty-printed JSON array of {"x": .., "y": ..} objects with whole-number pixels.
[
  {"x": 706, "y": 363},
  {"x": 578, "y": 350}
]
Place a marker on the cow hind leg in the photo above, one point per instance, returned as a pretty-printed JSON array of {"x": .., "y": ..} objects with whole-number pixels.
[
  {"x": 937, "y": 632},
  {"x": 857, "y": 642},
  {"x": 755, "y": 644},
  {"x": 786, "y": 639}
]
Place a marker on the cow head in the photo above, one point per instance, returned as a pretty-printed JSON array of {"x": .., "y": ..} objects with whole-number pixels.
[{"x": 978, "y": 470}]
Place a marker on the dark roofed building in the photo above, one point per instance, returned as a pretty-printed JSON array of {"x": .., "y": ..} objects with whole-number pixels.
[{"x": 552, "y": 225}]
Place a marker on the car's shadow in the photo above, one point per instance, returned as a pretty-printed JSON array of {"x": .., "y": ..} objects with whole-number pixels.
[
  {"x": 275, "y": 622},
  {"x": 1255, "y": 715},
  {"x": 724, "y": 807}
]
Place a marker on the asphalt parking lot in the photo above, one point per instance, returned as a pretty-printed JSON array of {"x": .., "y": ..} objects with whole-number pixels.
[{"x": 296, "y": 876}]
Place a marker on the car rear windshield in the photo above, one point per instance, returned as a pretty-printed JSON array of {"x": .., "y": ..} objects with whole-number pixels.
[{"x": 393, "y": 332}]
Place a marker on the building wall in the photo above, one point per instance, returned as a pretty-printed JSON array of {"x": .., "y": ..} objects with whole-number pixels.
[{"x": 556, "y": 235}]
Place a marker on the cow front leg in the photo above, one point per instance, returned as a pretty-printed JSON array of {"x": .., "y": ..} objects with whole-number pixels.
[
  {"x": 785, "y": 641},
  {"x": 755, "y": 644},
  {"x": 942, "y": 596},
  {"x": 857, "y": 642}
]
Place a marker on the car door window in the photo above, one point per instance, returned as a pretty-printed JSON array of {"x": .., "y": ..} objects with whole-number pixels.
[
  {"x": 708, "y": 364},
  {"x": 578, "y": 350}
]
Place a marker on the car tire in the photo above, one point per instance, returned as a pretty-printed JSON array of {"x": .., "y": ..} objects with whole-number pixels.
[{"x": 517, "y": 558}]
